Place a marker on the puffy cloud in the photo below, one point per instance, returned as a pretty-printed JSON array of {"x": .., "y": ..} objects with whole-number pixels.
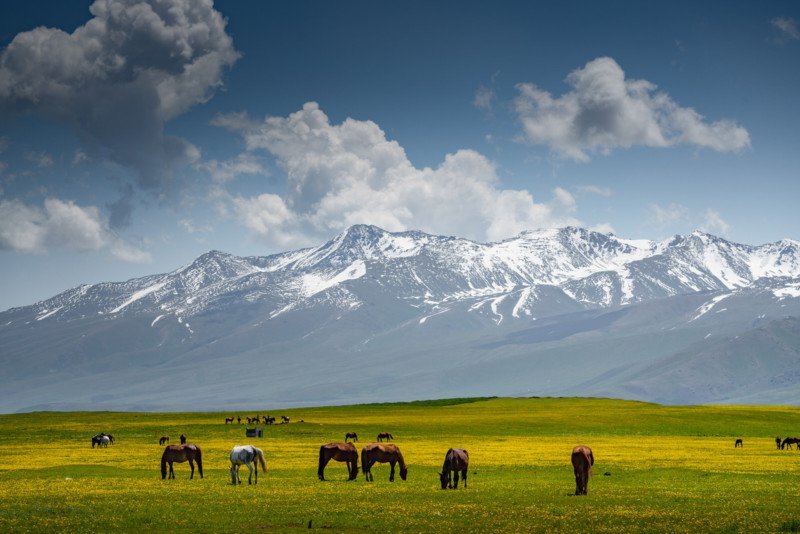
[
  {"x": 61, "y": 224},
  {"x": 605, "y": 111},
  {"x": 714, "y": 223},
  {"x": 787, "y": 28},
  {"x": 118, "y": 78},
  {"x": 225, "y": 171},
  {"x": 594, "y": 190},
  {"x": 339, "y": 175}
]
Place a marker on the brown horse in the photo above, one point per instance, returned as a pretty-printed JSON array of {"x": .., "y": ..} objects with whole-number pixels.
[
  {"x": 181, "y": 453},
  {"x": 454, "y": 461},
  {"x": 582, "y": 462},
  {"x": 183, "y": 439},
  {"x": 377, "y": 452},
  {"x": 384, "y": 436},
  {"x": 738, "y": 443},
  {"x": 788, "y": 442},
  {"x": 229, "y": 420},
  {"x": 341, "y": 452},
  {"x": 778, "y": 442},
  {"x": 163, "y": 439},
  {"x": 351, "y": 435}
]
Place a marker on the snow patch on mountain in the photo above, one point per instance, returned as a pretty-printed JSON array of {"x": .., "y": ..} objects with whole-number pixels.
[{"x": 138, "y": 296}]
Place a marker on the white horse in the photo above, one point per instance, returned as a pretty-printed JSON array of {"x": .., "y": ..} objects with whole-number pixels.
[
  {"x": 247, "y": 455},
  {"x": 101, "y": 440}
]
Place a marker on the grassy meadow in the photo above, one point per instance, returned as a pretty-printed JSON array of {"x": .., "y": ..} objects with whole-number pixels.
[{"x": 658, "y": 468}]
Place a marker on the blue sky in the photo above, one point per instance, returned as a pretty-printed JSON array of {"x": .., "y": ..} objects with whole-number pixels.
[{"x": 134, "y": 136}]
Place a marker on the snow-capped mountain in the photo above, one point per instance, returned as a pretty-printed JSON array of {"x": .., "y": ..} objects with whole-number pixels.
[{"x": 379, "y": 302}]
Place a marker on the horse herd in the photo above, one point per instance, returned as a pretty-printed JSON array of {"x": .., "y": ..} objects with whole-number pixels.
[{"x": 267, "y": 419}]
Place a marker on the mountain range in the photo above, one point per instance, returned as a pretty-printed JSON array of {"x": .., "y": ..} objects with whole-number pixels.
[{"x": 374, "y": 316}]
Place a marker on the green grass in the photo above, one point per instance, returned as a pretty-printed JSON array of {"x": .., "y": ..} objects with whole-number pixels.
[{"x": 658, "y": 468}]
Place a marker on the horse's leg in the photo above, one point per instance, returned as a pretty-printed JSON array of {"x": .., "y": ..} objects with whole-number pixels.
[
  {"x": 233, "y": 473},
  {"x": 191, "y": 465},
  {"x": 171, "y": 471},
  {"x": 391, "y": 474},
  {"x": 464, "y": 476},
  {"x": 455, "y": 479},
  {"x": 250, "y": 474}
]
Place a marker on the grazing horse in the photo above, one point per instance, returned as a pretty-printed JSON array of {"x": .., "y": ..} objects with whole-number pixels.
[
  {"x": 229, "y": 420},
  {"x": 181, "y": 453},
  {"x": 247, "y": 455},
  {"x": 384, "y": 436},
  {"x": 183, "y": 439},
  {"x": 778, "y": 442},
  {"x": 738, "y": 443},
  {"x": 377, "y": 452},
  {"x": 101, "y": 440},
  {"x": 582, "y": 462},
  {"x": 284, "y": 419},
  {"x": 350, "y": 435},
  {"x": 788, "y": 442},
  {"x": 454, "y": 461},
  {"x": 341, "y": 452},
  {"x": 269, "y": 420},
  {"x": 163, "y": 439}
]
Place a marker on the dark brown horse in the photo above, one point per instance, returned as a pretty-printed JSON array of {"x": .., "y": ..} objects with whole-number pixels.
[
  {"x": 378, "y": 452},
  {"x": 778, "y": 442},
  {"x": 738, "y": 443},
  {"x": 229, "y": 420},
  {"x": 163, "y": 439},
  {"x": 351, "y": 435},
  {"x": 384, "y": 436},
  {"x": 788, "y": 442},
  {"x": 183, "y": 439},
  {"x": 341, "y": 452},
  {"x": 181, "y": 453},
  {"x": 582, "y": 462},
  {"x": 454, "y": 461},
  {"x": 284, "y": 419}
]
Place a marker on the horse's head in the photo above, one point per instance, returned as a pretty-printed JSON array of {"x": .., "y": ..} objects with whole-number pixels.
[
  {"x": 403, "y": 472},
  {"x": 443, "y": 480}
]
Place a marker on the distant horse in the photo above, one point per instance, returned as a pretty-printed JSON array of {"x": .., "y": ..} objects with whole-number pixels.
[
  {"x": 269, "y": 420},
  {"x": 341, "y": 452},
  {"x": 110, "y": 438},
  {"x": 163, "y": 439},
  {"x": 377, "y": 452},
  {"x": 247, "y": 455},
  {"x": 384, "y": 436},
  {"x": 239, "y": 419},
  {"x": 788, "y": 442},
  {"x": 778, "y": 442},
  {"x": 229, "y": 420},
  {"x": 738, "y": 443},
  {"x": 582, "y": 462},
  {"x": 284, "y": 419},
  {"x": 351, "y": 435},
  {"x": 454, "y": 461},
  {"x": 181, "y": 453},
  {"x": 101, "y": 440},
  {"x": 183, "y": 439}
]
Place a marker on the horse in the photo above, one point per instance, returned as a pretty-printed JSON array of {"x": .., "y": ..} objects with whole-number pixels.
[
  {"x": 229, "y": 420},
  {"x": 788, "y": 442},
  {"x": 269, "y": 420},
  {"x": 183, "y": 439},
  {"x": 110, "y": 438},
  {"x": 384, "y": 436},
  {"x": 284, "y": 419},
  {"x": 101, "y": 440},
  {"x": 454, "y": 461},
  {"x": 582, "y": 462},
  {"x": 778, "y": 442},
  {"x": 351, "y": 435},
  {"x": 239, "y": 419},
  {"x": 246, "y": 454},
  {"x": 181, "y": 453},
  {"x": 341, "y": 452},
  {"x": 377, "y": 452},
  {"x": 738, "y": 443},
  {"x": 163, "y": 439}
]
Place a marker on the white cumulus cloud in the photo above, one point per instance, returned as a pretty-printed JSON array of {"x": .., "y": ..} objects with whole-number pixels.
[
  {"x": 349, "y": 173},
  {"x": 605, "y": 111},
  {"x": 61, "y": 224},
  {"x": 117, "y": 79}
]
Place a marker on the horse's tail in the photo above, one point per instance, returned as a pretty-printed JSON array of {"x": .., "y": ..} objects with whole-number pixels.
[
  {"x": 364, "y": 460},
  {"x": 321, "y": 468},
  {"x": 164, "y": 464},
  {"x": 260, "y": 454},
  {"x": 199, "y": 458}
]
